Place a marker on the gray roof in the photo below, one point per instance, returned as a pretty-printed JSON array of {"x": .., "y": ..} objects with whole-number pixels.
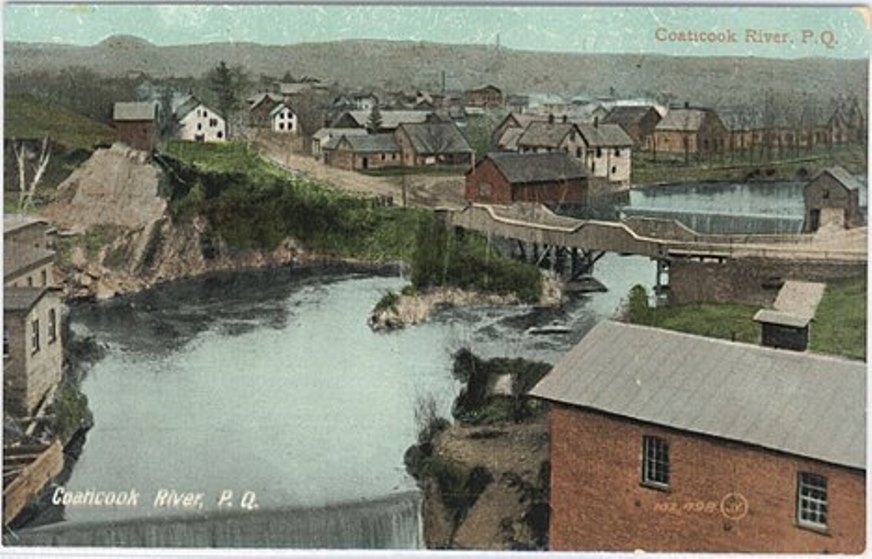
[
  {"x": 134, "y": 111},
  {"x": 389, "y": 119},
  {"x": 799, "y": 403},
  {"x": 371, "y": 143},
  {"x": 842, "y": 176},
  {"x": 280, "y": 107},
  {"x": 273, "y": 98},
  {"x": 799, "y": 298},
  {"x": 605, "y": 135},
  {"x": 686, "y": 120},
  {"x": 19, "y": 256},
  {"x": 628, "y": 114},
  {"x": 509, "y": 139},
  {"x": 519, "y": 168},
  {"x": 782, "y": 318},
  {"x": 323, "y": 133},
  {"x": 294, "y": 88},
  {"x": 545, "y": 134},
  {"x": 21, "y": 298},
  {"x": 436, "y": 137},
  {"x": 13, "y": 222}
]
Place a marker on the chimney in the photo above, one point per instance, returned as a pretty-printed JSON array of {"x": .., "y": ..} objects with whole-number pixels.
[
  {"x": 551, "y": 118},
  {"x": 687, "y": 104},
  {"x": 596, "y": 122}
]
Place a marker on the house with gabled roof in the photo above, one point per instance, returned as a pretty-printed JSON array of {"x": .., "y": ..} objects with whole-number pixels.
[
  {"x": 358, "y": 153},
  {"x": 832, "y": 198},
  {"x": 487, "y": 96},
  {"x": 555, "y": 179},
  {"x": 136, "y": 124},
  {"x": 638, "y": 121},
  {"x": 663, "y": 441},
  {"x": 260, "y": 108},
  {"x": 690, "y": 131},
  {"x": 196, "y": 122},
  {"x": 607, "y": 156},
  {"x": 433, "y": 143},
  {"x": 324, "y": 136},
  {"x": 284, "y": 120},
  {"x": 390, "y": 120}
]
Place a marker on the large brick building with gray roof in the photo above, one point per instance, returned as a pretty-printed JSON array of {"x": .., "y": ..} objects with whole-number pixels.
[{"x": 664, "y": 441}]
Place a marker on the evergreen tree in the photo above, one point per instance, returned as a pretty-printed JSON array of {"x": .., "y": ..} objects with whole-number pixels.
[
  {"x": 375, "y": 120},
  {"x": 224, "y": 83}
]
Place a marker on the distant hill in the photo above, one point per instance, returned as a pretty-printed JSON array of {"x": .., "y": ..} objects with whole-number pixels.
[
  {"x": 30, "y": 119},
  {"x": 406, "y": 64}
]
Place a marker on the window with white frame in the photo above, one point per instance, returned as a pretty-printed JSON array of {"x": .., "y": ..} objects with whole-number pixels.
[
  {"x": 655, "y": 461},
  {"x": 811, "y": 500}
]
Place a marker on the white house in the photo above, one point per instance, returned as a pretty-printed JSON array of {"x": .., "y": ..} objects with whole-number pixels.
[
  {"x": 197, "y": 122},
  {"x": 283, "y": 120}
]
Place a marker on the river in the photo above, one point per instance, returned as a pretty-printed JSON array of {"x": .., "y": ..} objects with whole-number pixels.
[{"x": 271, "y": 386}]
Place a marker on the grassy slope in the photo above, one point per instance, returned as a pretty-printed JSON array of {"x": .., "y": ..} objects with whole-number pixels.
[
  {"x": 839, "y": 327},
  {"x": 31, "y": 119}
]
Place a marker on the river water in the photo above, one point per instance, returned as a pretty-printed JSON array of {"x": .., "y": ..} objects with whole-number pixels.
[{"x": 270, "y": 385}]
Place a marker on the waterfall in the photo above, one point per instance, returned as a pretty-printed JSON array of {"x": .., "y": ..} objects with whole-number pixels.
[
  {"x": 392, "y": 522},
  {"x": 724, "y": 223}
]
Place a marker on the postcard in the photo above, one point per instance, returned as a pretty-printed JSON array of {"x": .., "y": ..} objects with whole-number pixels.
[{"x": 434, "y": 277}]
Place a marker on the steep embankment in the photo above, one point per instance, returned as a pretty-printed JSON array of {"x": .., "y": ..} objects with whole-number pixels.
[{"x": 117, "y": 236}]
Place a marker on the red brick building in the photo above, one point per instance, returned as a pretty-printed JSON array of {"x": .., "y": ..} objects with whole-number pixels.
[
  {"x": 553, "y": 179},
  {"x": 638, "y": 122},
  {"x": 136, "y": 124},
  {"x": 484, "y": 96},
  {"x": 663, "y": 441}
]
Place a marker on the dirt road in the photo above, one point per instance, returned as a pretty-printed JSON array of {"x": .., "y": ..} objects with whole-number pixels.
[{"x": 424, "y": 191}]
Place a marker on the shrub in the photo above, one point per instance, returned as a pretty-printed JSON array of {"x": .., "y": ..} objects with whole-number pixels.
[{"x": 387, "y": 302}]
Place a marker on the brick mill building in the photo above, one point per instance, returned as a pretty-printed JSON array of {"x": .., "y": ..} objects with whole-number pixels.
[
  {"x": 554, "y": 179},
  {"x": 664, "y": 441},
  {"x": 638, "y": 122}
]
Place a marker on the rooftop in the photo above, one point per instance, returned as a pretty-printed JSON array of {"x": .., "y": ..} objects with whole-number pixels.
[
  {"x": 683, "y": 119},
  {"x": 134, "y": 111},
  {"x": 389, "y": 119},
  {"x": 13, "y": 222},
  {"x": 21, "y": 298},
  {"x": 519, "y": 168},
  {"x": 799, "y": 403},
  {"x": 436, "y": 137},
  {"x": 372, "y": 143},
  {"x": 19, "y": 256},
  {"x": 842, "y": 176}
]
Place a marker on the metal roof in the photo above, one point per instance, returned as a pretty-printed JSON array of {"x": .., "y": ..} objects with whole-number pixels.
[
  {"x": 519, "y": 168},
  {"x": 841, "y": 175},
  {"x": 373, "y": 143},
  {"x": 801, "y": 403},
  {"x": 605, "y": 135},
  {"x": 683, "y": 119},
  {"x": 436, "y": 137},
  {"x": 134, "y": 111},
  {"x": 323, "y": 133},
  {"x": 389, "y": 119},
  {"x": 545, "y": 134},
  {"x": 782, "y": 318},
  {"x": 21, "y": 298}
]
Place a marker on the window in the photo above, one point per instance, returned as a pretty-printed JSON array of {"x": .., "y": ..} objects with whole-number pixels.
[
  {"x": 599, "y": 152},
  {"x": 614, "y": 170},
  {"x": 811, "y": 501},
  {"x": 655, "y": 462},
  {"x": 6, "y": 348},
  {"x": 578, "y": 152},
  {"x": 281, "y": 126},
  {"x": 617, "y": 152},
  {"x": 213, "y": 122},
  {"x": 29, "y": 281},
  {"x": 52, "y": 326},
  {"x": 485, "y": 190},
  {"x": 34, "y": 336},
  {"x": 44, "y": 276},
  {"x": 199, "y": 126},
  {"x": 220, "y": 134}
]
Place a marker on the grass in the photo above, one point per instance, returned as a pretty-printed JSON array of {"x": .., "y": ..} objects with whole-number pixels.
[
  {"x": 840, "y": 323},
  {"x": 790, "y": 165},
  {"x": 27, "y": 118},
  {"x": 839, "y": 327}
]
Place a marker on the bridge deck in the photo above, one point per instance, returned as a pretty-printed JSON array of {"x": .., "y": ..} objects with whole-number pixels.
[{"x": 655, "y": 238}]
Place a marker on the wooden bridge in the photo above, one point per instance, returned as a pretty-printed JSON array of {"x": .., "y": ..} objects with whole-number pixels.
[{"x": 542, "y": 234}]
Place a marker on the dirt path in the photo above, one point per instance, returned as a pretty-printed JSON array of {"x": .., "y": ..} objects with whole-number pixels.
[{"x": 423, "y": 191}]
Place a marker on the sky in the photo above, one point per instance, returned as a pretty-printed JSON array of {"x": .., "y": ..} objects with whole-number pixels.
[{"x": 774, "y": 32}]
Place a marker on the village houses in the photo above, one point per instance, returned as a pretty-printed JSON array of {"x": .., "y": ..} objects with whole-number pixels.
[
  {"x": 665, "y": 441},
  {"x": 284, "y": 120},
  {"x": 32, "y": 313},
  {"x": 196, "y": 122},
  {"x": 690, "y": 131},
  {"x": 433, "y": 143}
]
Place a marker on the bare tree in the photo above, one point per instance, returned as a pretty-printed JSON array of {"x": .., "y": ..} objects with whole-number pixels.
[{"x": 23, "y": 154}]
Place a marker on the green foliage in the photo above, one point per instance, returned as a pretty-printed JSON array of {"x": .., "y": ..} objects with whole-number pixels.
[
  {"x": 840, "y": 321},
  {"x": 226, "y": 84},
  {"x": 469, "y": 262},
  {"x": 70, "y": 411},
  {"x": 253, "y": 204},
  {"x": 387, "y": 302},
  {"x": 25, "y": 117},
  {"x": 477, "y": 405},
  {"x": 639, "y": 312},
  {"x": 479, "y": 130}
]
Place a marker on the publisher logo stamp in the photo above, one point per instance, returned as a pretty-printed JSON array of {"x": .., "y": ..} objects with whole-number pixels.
[{"x": 734, "y": 506}]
